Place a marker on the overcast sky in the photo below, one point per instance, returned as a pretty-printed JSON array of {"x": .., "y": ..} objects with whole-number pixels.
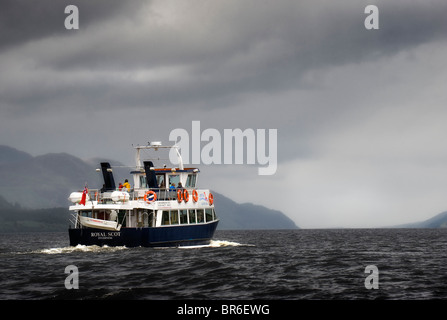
[{"x": 361, "y": 114}]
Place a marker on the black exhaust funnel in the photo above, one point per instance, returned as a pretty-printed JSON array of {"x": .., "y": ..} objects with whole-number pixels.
[{"x": 109, "y": 181}]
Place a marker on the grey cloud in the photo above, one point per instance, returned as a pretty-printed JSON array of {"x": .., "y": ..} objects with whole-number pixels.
[
  {"x": 198, "y": 55},
  {"x": 282, "y": 35},
  {"x": 28, "y": 20},
  {"x": 226, "y": 52}
]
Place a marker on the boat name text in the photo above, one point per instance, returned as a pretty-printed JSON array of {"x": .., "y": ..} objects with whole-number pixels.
[{"x": 105, "y": 235}]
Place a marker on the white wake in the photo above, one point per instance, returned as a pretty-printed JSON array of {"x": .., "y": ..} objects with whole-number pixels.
[{"x": 80, "y": 248}]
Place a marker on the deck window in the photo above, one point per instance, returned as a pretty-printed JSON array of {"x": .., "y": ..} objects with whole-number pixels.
[
  {"x": 86, "y": 213},
  {"x": 151, "y": 218},
  {"x": 200, "y": 216},
  {"x": 209, "y": 214},
  {"x": 165, "y": 218},
  {"x": 121, "y": 217},
  {"x": 192, "y": 216},
  {"x": 184, "y": 216},
  {"x": 174, "y": 217}
]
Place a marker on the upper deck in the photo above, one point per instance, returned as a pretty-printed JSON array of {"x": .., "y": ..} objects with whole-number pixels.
[
  {"x": 147, "y": 198},
  {"x": 152, "y": 187}
]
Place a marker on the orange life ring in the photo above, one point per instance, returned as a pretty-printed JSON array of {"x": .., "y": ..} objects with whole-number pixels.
[
  {"x": 179, "y": 195},
  {"x": 211, "y": 199},
  {"x": 150, "y": 196},
  {"x": 195, "y": 195},
  {"x": 186, "y": 195}
]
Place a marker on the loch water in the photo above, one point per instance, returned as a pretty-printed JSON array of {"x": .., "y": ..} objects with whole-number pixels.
[{"x": 320, "y": 264}]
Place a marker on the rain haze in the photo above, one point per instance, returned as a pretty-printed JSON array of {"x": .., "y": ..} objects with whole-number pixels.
[{"x": 360, "y": 113}]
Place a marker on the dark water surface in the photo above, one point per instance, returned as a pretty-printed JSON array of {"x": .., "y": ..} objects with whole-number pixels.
[{"x": 248, "y": 265}]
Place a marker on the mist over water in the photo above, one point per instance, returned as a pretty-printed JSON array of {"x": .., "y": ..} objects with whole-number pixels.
[{"x": 273, "y": 265}]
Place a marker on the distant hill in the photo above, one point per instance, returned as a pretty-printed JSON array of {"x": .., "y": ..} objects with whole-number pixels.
[
  {"x": 236, "y": 216},
  {"x": 13, "y": 218},
  {"x": 43, "y": 181},
  {"x": 11, "y": 155},
  {"x": 46, "y": 181},
  {"x": 438, "y": 221}
]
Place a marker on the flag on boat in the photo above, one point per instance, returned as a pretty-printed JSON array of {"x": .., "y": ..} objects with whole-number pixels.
[{"x": 84, "y": 196}]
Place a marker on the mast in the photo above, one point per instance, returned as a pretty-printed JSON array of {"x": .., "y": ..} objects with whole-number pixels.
[
  {"x": 137, "y": 158},
  {"x": 180, "y": 160}
]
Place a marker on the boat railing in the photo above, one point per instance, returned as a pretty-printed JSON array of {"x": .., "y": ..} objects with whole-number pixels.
[{"x": 162, "y": 194}]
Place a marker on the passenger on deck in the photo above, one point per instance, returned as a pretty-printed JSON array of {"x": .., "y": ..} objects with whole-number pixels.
[
  {"x": 126, "y": 184},
  {"x": 172, "y": 194},
  {"x": 179, "y": 186},
  {"x": 120, "y": 187}
]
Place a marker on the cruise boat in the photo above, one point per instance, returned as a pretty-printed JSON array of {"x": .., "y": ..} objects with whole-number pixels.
[{"x": 163, "y": 208}]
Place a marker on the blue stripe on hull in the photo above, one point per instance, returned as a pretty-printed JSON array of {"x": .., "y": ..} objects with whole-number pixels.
[{"x": 169, "y": 236}]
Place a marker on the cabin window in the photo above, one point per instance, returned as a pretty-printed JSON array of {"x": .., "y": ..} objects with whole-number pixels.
[
  {"x": 86, "y": 213},
  {"x": 174, "y": 217},
  {"x": 165, "y": 218},
  {"x": 174, "y": 179},
  {"x": 161, "y": 180},
  {"x": 143, "y": 218},
  {"x": 121, "y": 215},
  {"x": 191, "y": 181},
  {"x": 100, "y": 214},
  {"x": 143, "y": 182},
  {"x": 200, "y": 216},
  {"x": 183, "y": 216},
  {"x": 209, "y": 214},
  {"x": 192, "y": 216},
  {"x": 151, "y": 218}
]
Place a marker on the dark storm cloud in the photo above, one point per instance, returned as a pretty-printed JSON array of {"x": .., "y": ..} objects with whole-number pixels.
[
  {"x": 206, "y": 54},
  {"x": 219, "y": 53},
  {"x": 29, "y": 20}
]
